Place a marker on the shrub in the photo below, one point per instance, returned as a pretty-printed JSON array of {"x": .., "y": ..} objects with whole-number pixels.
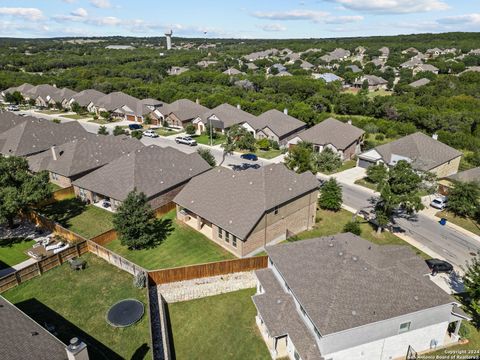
[
  {"x": 380, "y": 137},
  {"x": 95, "y": 117},
  {"x": 56, "y": 121},
  {"x": 330, "y": 195},
  {"x": 137, "y": 134},
  {"x": 352, "y": 227},
  {"x": 190, "y": 129},
  {"x": 263, "y": 144},
  {"x": 274, "y": 145},
  {"x": 118, "y": 130},
  {"x": 207, "y": 155}
]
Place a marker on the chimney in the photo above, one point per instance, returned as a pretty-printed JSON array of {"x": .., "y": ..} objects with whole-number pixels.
[
  {"x": 77, "y": 350},
  {"x": 349, "y": 122},
  {"x": 285, "y": 111},
  {"x": 54, "y": 153},
  {"x": 239, "y": 107},
  {"x": 435, "y": 136},
  {"x": 197, "y": 101}
]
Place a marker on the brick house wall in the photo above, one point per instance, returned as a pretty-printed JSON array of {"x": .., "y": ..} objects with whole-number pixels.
[
  {"x": 59, "y": 180},
  {"x": 447, "y": 169}
]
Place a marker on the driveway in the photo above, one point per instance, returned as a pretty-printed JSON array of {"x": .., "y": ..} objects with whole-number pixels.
[{"x": 351, "y": 175}]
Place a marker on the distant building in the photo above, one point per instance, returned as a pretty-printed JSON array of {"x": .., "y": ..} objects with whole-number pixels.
[
  {"x": 168, "y": 39},
  {"x": 120, "y": 47}
]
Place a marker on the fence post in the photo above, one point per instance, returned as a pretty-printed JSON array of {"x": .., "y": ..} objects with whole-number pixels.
[
  {"x": 39, "y": 267},
  {"x": 78, "y": 249},
  {"x": 59, "y": 257},
  {"x": 17, "y": 277}
]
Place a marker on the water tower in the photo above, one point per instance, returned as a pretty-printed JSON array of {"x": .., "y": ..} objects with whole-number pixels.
[{"x": 168, "y": 36}]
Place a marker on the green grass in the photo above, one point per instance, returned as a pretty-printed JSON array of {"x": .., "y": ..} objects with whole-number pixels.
[
  {"x": 466, "y": 223},
  {"x": 12, "y": 251},
  {"x": 368, "y": 184},
  {"x": 76, "y": 303},
  {"x": 217, "y": 327},
  {"x": 184, "y": 246},
  {"x": 349, "y": 164},
  {"x": 85, "y": 220},
  {"x": 51, "y": 112},
  {"x": 268, "y": 154},
  {"x": 205, "y": 139},
  {"x": 381, "y": 92},
  {"x": 76, "y": 116},
  {"x": 331, "y": 223},
  {"x": 167, "y": 131}
]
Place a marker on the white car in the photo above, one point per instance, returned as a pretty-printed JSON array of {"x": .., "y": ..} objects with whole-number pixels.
[
  {"x": 439, "y": 202},
  {"x": 150, "y": 133},
  {"x": 13, "y": 108},
  {"x": 187, "y": 140}
]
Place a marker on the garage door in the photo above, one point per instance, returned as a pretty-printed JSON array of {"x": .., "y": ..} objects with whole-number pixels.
[
  {"x": 364, "y": 163},
  {"x": 131, "y": 117}
]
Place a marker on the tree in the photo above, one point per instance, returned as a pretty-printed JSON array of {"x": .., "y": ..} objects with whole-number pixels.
[
  {"x": 14, "y": 98},
  {"x": 19, "y": 188},
  {"x": 118, "y": 130},
  {"x": 210, "y": 131},
  {"x": 328, "y": 161},
  {"x": 190, "y": 129},
  {"x": 105, "y": 114},
  {"x": 330, "y": 195},
  {"x": 377, "y": 173},
  {"x": 237, "y": 137},
  {"x": 471, "y": 283},
  {"x": 207, "y": 155},
  {"x": 102, "y": 130},
  {"x": 137, "y": 134},
  {"x": 463, "y": 199},
  {"x": 301, "y": 158},
  {"x": 263, "y": 144},
  {"x": 352, "y": 227},
  {"x": 136, "y": 224},
  {"x": 399, "y": 191},
  {"x": 76, "y": 108}
]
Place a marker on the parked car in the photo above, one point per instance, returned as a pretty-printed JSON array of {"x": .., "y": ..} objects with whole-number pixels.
[
  {"x": 150, "y": 133},
  {"x": 13, "y": 108},
  {"x": 187, "y": 140},
  {"x": 437, "y": 265},
  {"x": 249, "y": 156},
  {"x": 135, "y": 126},
  {"x": 439, "y": 202}
]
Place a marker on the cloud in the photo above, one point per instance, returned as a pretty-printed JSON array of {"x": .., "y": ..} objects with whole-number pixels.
[
  {"x": 32, "y": 14},
  {"x": 343, "y": 19},
  {"x": 311, "y": 15},
  {"x": 101, "y": 4},
  {"x": 69, "y": 1},
  {"x": 80, "y": 12},
  {"x": 272, "y": 27},
  {"x": 393, "y": 6},
  {"x": 467, "y": 19}
]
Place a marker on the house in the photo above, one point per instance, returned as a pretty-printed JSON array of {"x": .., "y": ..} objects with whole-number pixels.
[
  {"x": 206, "y": 63},
  {"x": 84, "y": 98},
  {"x": 342, "y": 297},
  {"x": 374, "y": 82},
  {"x": 305, "y": 65},
  {"x": 120, "y": 47},
  {"x": 74, "y": 159},
  {"x": 22, "y": 89},
  {"x": 410, "y": 64},
  {"x": 343, "y": 138},
  {"x": 277, "y": 126},
  {"x": 36, "y": 135},
  {"x": 338, "y": 54},
  {"x": 471, "y": 69},
  {"x": 384, "y": 53},
  {"x": 354, "y": 68},
  {"x": 232, "y": 72},
  {"x": 420, "y": 82},
  {"x": 425, "y": 153},
  {"x": 261, "y": 54},
  {"x": 252, "y": 66},
  {"x": 327, "y": 77},
  {"x": 160, "y": 173},
  {"x": 433, "y": 53},
  {"x": 177, "y": 70},
  {"x": 42, "y": 94},
  {"x": 244, "y": 211},
  {"x": 425, "y": 68},
  {"x": 283, "y": 73},
  {"x": 377, "y": 62},
  {"x": 471, "y": 175},
  {"x": 23, "y": 338},
  {"x": 61, "y": 97},
  {"x": 410, "y": 50},
  {"x": 223, "y": 117},
  {"x": 182, "y": 112}
]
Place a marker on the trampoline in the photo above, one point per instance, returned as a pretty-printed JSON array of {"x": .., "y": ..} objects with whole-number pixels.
[{"x": 125, "y": 313}]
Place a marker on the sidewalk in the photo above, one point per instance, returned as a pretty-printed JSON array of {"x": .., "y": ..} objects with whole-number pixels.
[{"x": 17, "y": 267}]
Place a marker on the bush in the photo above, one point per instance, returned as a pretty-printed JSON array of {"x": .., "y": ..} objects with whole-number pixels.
[
  {"x": 352, "y": 227},
  {"x": 190, "y": 129},
  {"x": 140, "y": 280},
  {"x": 274, "y": 145},
  {"x": 263, "y": 144},
  {"x": 376, "y": 173},
  {"x": 380, "y": 137},
  {"x": 57, "y": 121},
  {"x": 328, "y": 161},
  {"x": 207, "y": 155},
  {"x": 105, "y": 114},
  {"x": 95, "y": 117},
  {"x": 137, "y": 134},
  {"x": 118, "y": 130}
]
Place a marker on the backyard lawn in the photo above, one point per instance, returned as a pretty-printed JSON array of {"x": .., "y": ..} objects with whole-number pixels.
[
  {"x": 330, "y": 223},
  {"x": 75, "y": 304},
  {"x": 184, "y": 246},
  {"x": 12, "y": 251},
  {"x": 215, "y": 327},
  {"x": 85, "y": 220},
  {"x": 466, "y": 223}
]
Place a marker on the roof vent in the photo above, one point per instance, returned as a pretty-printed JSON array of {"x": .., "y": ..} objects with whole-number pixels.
[
  {"x": 251, "y": 182},
  {"x": 34, "y": 333},
  {"x": 330, "y": 245},
  {"x": 340, "y": 253},
  {"x": 416, "y": 298},
  {"x": 365, "y": 269},
  {"x": 289, "y": 189},
  {"x": 230, "y": 221},
  {"x": 354, "y": 312},
  {"x": 354, "y": 258}
]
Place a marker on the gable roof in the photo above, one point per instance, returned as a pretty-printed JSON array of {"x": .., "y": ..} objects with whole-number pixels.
[
  {"x": 425, "y": 152},
  {"x": 43, "y": 91},
  {"x": 372, "y": 80},
  {"x": 22, "y": 89},
  {"x": 184, "y": 109},
  {"x": 328, "y": 77},
  {"x": 36, "y": 135},
  {"x": 344, "y": 281},
  {"x": 85, "y": 97},
  {"x": 229, "y": 115},
  {"x": 23, "y": 338},
  {"x": 427, "y": 67},
  {"x": 232, "y": 71},
  {"x": 116, "y": 100},
  {"x": 471, "y": 175},
  {"x": 62, "y": 94},
  {"x": 420, "y": 82},
  {"x": 280, "y": 123},
  {"x": 9, "y": 120},
  {"x": 84, "y": 154},
  {"x": 215, "y": 195},
  {"x": 332, "y": 131},
  {"x": 151, "y": 170}
]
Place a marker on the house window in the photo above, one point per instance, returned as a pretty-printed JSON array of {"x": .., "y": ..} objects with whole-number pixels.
[
  {"x": 54, "y": 176},
  {"x": 220, "y": 233},
  {"x": 404, "y": 327},
  {"x": 234, "y": 241},
  {"x": 275, "y": 210},
  {"x": 227, "y": 236}
]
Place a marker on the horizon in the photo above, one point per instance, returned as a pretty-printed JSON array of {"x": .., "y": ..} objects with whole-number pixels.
[{"x": 247, "y": 20}]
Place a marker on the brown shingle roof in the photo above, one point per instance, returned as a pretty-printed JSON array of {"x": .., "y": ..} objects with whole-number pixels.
[
  {"x": 229, "y": 115},
  {"x": 236, "y": 201},
  {"x": 280, "y": 123},
  {"x": 332, "y": 131},
  {"x": 344, "y": 281},
  {"x": 151, "y": 170},
  {"x": 184, "y": 109},
  {"x": 85, "y": 97}
]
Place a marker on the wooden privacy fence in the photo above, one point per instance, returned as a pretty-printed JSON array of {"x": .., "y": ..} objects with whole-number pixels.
[
  {"x": 38, "y": 268},
  {"x": 59, "y": 195},
  {"x": 105, "y": 238},
  {"x": 206, "y": 270},
  {"x": 162, "y": 210},
  {"x": 114, "y": 258}
]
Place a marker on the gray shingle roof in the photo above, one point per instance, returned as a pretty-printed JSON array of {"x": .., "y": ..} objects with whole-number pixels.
[
  {"x": 116, "y": 100},
  {"x": 42, "y": 91},
  {"x": 372, "y": 80},
  {"x": 229, "y": 115},
  {"x": 23, "y": 338},
  {"x": 425, "y": 152},
  {"x": 420, "y": 82},
  {"x": 280, "y": 123},
  {"x": 471, "y": 175},
  {"x": 36, "y": 135},
  {"x": 85, "y": 97},
  {"x": 62, "y": 94},
  {"x": 84, "y": 154},
  {"x": 151, "y": 169},
  {"x": 9, "y": 120},
  {"x": 236, "y": 201},
  {"x": 332, "y": 131},
  {"x": 22, "y": 89},
  {"x": 344, "y": 281},
  {"x": 184, "y": 109}
]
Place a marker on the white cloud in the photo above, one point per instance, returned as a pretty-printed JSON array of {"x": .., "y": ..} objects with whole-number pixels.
[
  {"x": 467, "y": 19},
  {"x": 393, "y": 6},
  {"x": 69, "y": 1},
  {"x": 343, "y": 19},
  {"x": 102, "y": 4},
  {"x": 32, "y": 14},
  {"x": 312, "y": 15},
  {"x": 106, "y": 21},
  {"x": 80, "y": 12},
  {"x": 272, "y": 27}
]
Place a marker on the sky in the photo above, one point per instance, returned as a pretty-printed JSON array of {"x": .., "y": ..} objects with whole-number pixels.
[{"x": 235, "y": 18}]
